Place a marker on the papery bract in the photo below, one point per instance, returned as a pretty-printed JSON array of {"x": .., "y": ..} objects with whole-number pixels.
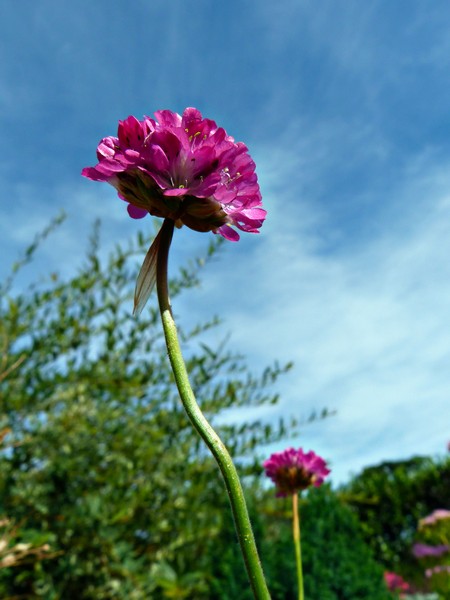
[{"x": 294, "y": 470}]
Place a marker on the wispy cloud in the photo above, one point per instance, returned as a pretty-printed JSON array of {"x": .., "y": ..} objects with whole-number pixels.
[
  {"x": 345, "y": 110},
  {"x": 365, "y": 324}
]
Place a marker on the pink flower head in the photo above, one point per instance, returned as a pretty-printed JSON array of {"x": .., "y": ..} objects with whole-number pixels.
[
  {"x": 435, "y": 516},
  {"x": 421, "y": 550},
  {"x": 294, "y": 470},
  {"x": 396, "y": 583},
  {"x": 437, "y": 569},
  {"x": 184, "y": 168}
]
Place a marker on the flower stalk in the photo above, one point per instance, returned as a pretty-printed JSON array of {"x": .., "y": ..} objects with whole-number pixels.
[
  {"x": 297, "y": 544},
  {"x": 293, "y": 471},
  {"x": 210, "y": 437},
  {"x": 188, "y": 171}
]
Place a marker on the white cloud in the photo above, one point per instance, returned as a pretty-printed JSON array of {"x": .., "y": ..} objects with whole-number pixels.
[
  {"x": 350, "y": 275},
  {"x": 367, "y": 326}
]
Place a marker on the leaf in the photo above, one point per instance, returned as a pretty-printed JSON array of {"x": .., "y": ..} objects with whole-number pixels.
[{"x": 147, "y": 276}]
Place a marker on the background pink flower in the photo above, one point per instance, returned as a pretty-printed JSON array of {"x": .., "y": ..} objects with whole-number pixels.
[
  {"x": 437, "y": 569},
  {"x": 436, "y": 515},
  {"x": 185, "y": 168},
  {"x": 294, "y": 470},
  {"x": 396, "y": 583},
  {"x": 420, "y": 550}
]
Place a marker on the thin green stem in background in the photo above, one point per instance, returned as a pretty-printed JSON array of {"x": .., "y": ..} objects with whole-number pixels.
[
  {"x": 297, "y": 544},
  {"x": 214, "y": 443}
]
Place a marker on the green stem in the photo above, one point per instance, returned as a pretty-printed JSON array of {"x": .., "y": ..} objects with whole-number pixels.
[
  {"x": 297, "y": 544},
  {"x": 212, "y": 440}
]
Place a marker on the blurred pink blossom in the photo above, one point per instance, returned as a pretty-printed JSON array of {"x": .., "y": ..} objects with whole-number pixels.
[
  {"x": 421, "y": 550},
  {"x": 437, "y": 569},
  {"x": 437, "y": 515},
  {"x": 294, "y": 470},
  {"x": 396, "y": 583}
]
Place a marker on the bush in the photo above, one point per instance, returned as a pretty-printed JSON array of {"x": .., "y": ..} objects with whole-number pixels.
[
  {"x": 337, "y": 564},
  {"x": 99, "y": 456}
]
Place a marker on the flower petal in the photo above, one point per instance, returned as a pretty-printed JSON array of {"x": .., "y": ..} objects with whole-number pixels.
[
  {"x": 135, "y": 212},
  {"x": 228, "y": 233}
]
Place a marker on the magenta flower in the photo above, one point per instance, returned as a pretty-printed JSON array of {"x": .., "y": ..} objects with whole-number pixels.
[
  {"x": 437, "y": 569},
  {"x": 183, "y": 168},
  {"x": 434, "y": 517},
  {"x": 421, "y": 550},
  {"x": 294, "y": 470},
  {"x": 396, "y": 583}
]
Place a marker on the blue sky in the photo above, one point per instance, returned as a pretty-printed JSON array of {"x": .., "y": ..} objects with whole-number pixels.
[{"x": 344, "y": 106}]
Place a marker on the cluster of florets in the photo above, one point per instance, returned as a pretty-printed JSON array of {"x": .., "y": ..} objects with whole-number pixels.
[
  {"x": 185, "y": 168},
  {"x": 294, "y": 470}
]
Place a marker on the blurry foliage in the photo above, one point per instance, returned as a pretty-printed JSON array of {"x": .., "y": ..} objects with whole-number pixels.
[
  {"x": 435, "y": 533},
  {"x": 337, "y": 564},
  {"x": 99, "y": 456},
  {"x": 18, "y": 547},
  {"x": 389, "y": 500},
  {"x": 102, "y": 469}
]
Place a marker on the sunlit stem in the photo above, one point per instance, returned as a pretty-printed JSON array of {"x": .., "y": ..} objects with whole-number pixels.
[
  {"x": 297, "y": 544},
  {"x": 214, "y": 443}
]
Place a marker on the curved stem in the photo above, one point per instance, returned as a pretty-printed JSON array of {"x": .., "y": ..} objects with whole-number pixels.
[
  {"x": 212, "y": 440},
  {"x": 297, "y": 544}
]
